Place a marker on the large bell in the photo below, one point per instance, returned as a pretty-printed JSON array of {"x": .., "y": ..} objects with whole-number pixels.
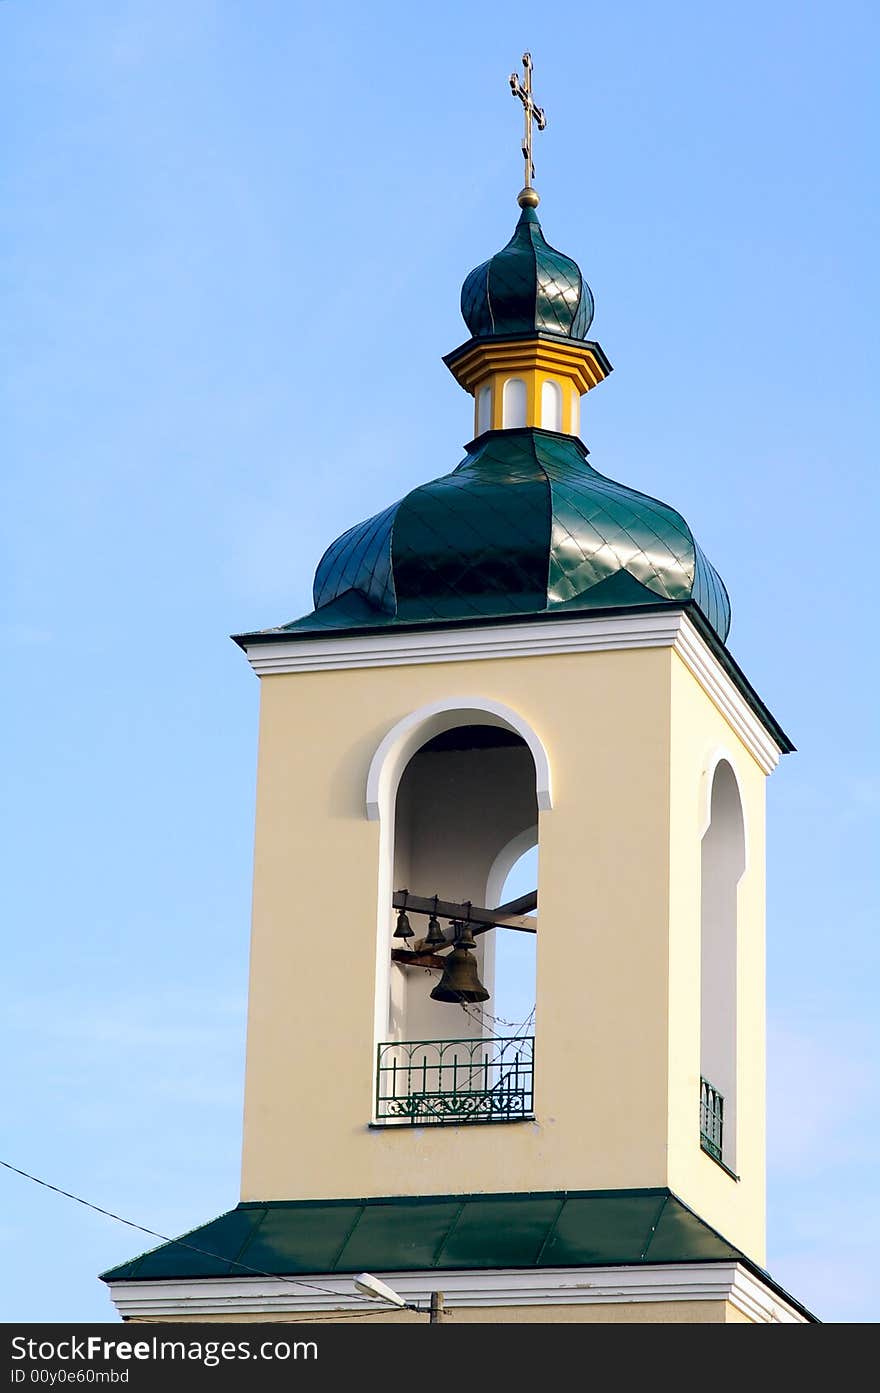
[{"x": 460, "y": 982}]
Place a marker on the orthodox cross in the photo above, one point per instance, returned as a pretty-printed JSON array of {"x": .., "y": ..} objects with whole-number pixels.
[{"x": 523, "y": 90}]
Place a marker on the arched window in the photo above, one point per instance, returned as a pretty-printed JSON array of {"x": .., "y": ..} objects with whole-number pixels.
[
  {"x": 515, "y": 965},
  {"x": 722, "y": 862},
  {"x": 466, "y": 808},
  {"x": 513, "y": 403},
  {"x": 484, "y": 409},
  {"x": 551, "y": 405}
]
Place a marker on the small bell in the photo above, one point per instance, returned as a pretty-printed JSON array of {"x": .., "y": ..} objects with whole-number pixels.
[
  {"x": 464, "y": 936},
  {"x": 460, "y": 982},
  {"x": 435, "y": 937},
  {"x": 404, "y": 927}
]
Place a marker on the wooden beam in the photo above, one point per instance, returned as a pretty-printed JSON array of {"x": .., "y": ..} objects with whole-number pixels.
[
  {"x": 417, "y": 959},
  {"x": 506, "y": 916},
  {"x": 521, "y": 923},
  {"x": 520, "y": 906}
]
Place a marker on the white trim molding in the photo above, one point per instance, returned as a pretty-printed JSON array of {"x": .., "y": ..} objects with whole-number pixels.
[
  {"x": 416, "y": 729},
  {"x": 585, "y": 634},
  {"x": 705, "y": 667},
  {"x": 547, "y": 1287},
  {"x": 527, "y": 640}
]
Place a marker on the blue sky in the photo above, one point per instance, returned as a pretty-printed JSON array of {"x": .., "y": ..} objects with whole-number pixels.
[{"x": 234, "y": 237}]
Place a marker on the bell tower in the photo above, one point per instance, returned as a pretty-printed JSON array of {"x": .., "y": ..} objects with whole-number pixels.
[{"x": 523, "y": 652}]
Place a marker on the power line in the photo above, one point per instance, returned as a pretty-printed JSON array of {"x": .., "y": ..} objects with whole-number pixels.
[
  {"x": 178, "y": 1242},
  {"x": 480, "y": 1019}
]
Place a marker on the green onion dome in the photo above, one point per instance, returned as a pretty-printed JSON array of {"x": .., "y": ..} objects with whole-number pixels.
[
  {"x": 526, "y": 288},
  {"x": 523, "y": 527}
]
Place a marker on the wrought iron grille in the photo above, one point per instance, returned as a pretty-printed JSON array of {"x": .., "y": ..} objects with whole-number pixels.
[
  {"x": 488, "y": 1080},
  {"x": 711, "y": 1119}
]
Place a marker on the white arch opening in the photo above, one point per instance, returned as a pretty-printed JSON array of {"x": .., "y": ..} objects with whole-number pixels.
[
  {"x": 418, "y": 838},
  {"x": 723, "y": 860},
  {"x": 516, "y": 956},
  {"x": 551, "y": 405},
  {"x": 513, "y": 403},
  {"x": 484, "y": 409}
]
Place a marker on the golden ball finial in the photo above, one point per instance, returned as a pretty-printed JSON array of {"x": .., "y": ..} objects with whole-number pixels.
[{"x": 528, "y": 198}]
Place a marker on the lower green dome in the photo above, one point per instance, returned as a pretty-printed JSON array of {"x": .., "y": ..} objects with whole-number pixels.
[{"x": 523, "y": 527}]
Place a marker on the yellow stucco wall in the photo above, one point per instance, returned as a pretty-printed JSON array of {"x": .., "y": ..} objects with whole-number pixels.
[
  {"x": 534, "y": 380},
  {"x": 699, "y": 736},
  {"x": 628, "y": 733}
]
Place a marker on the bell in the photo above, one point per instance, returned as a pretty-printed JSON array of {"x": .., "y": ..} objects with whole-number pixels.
[
  {"x": 435, "y": 935},
  {"x": 464, "y": 937},
  {"x": 404, "y": 927},
  {"x": 460, "y": 982}
]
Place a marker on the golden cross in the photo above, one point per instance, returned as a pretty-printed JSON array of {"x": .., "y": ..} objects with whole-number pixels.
[{"x": 523, "y": 90}]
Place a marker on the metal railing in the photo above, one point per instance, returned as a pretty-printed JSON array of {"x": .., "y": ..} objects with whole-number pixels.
[
  {"x": 487, "y": 1080},
  {"x": 711, "y": 1119}
]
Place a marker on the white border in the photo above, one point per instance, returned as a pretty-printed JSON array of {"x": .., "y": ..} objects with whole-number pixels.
[
  {"x": 506, "y": 860},
  {"x": 702, "y": 663},
  {"x": 549, "y": 1287},
  {"x": 402, "y": 741},
  {"x": 586, "y": 634},
  {"x": 595, "y": 632},
  {"x": 721, "y": 755}
]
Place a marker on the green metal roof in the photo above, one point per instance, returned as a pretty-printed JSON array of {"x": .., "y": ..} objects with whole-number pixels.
[
  {"x": 527, "y": 287},
  {"x": 554, "y": 1229},
  {"x": 523, "y": 527}
]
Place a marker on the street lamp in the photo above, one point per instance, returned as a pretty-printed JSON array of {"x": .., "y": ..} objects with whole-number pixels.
[{"x": 370, "y": 1286}]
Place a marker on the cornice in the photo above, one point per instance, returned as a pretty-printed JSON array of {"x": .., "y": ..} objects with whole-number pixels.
[
  {"x": 576, "y": 1286},
  {"x": 560, "y": 342},
  {"x": 664, "y": 628},
  {"x": 582, "y": 361}
]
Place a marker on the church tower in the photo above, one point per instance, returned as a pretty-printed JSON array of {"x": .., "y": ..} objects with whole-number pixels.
[{"x": 522, "y": 653}]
